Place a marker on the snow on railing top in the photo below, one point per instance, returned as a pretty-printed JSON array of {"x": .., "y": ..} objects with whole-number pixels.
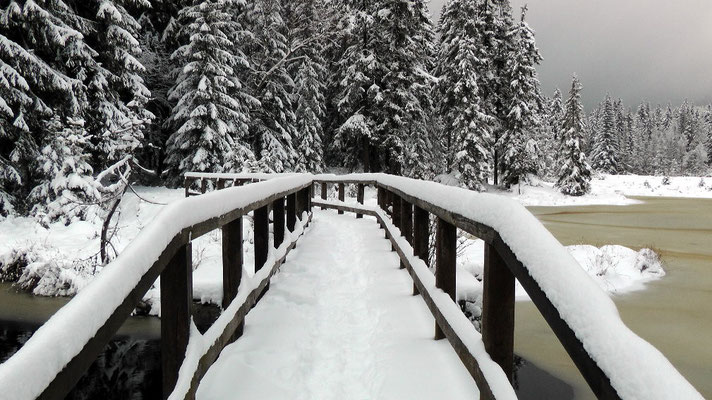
[
  {"x": 228, "y": 175},
  {"x": 27, "y": 373},
  {"x": 636, "y": 369}
]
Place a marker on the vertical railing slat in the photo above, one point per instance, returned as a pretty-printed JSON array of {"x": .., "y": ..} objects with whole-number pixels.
[
  {"x": 232, "y": 256},
  {"x": 421, "y": 236},
  {"x": 278, "y": 221},
  {"x": 291, "y": 211},
  {"x": 498, "y": 310},
  {"x": 176, "y": 304},
  {"x": 342, "y": 194},
  {"x": 445, "y": 273},
  {"x": 359, "y": 197}
]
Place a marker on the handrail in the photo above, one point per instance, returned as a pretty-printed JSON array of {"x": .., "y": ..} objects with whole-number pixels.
[
  {"x": 61, "y": 350},
  {"x": 614, "y": 361}
]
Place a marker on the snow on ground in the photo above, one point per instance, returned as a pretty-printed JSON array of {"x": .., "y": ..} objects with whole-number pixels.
[
  {"x": 609, "y": 189},
  {"x": 616, "y": 269},
  {"x": 62, "y": 260},
  {"x": 339, "y": 324}
]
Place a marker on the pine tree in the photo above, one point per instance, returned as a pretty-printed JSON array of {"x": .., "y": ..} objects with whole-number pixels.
[
  {"x": 466, "y": 131},
  {"x": 574, "y": 172},
  {"x": 211, "y": 113},
  {"x": 309, "y": 71},
  {"x": 523, "y": 105},
  {"x": 357, "y": 76},
  {"x": 404, "y": 45},
  {"x": 605, "y": 158},
  {"x": 274, "y": 123},
  {"x": 68, "y": 190}
]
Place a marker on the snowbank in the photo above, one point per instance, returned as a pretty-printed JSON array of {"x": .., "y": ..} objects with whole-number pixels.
[
  {"x": 609, "y": 189},
  {"x": 616, "y": 269}
]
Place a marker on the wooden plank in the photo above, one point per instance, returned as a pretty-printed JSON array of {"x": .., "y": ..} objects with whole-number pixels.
[
  {"x": 176, "y": 303},
  {"x": 342, "y": 194},
  {"x": 232, "y": 259},
  {"x": 203, "y": 185},
  {"x": 498, "y": 311},
  {"x": 278, "y": 221},
  {"x": 291, "y": 211},
  {"x": 324, "y": 188},
  {"x": 406, "y": 221},
  {"x": 445, "y": 261},
  {"x": 359, "y": 197}
]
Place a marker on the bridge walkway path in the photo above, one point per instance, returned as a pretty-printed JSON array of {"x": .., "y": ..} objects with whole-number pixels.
[{"x": 339, "y": 322}]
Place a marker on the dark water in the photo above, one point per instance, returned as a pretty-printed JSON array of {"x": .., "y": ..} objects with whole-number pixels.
[{"x": 129, "y": 368}]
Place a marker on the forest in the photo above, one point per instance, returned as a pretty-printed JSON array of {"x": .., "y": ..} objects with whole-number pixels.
[{"x": 95, "y": 95}]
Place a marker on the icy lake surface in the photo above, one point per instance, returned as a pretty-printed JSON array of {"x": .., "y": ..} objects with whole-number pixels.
[{"x": 674, "y": 313}]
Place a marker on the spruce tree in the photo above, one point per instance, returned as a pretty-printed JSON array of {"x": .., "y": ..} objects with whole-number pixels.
[
  {"x": 274, "y": 123},
  {"x": 211, "y": 113},
  {"x": 523, "y": 104},
  {"x": 574, "y": 171},
  {"x": 466, "y": 134},
  {"x": 67, "y": 190},
  {"x": 604, "y": 157},
  {"x": 357, "y": 77}
]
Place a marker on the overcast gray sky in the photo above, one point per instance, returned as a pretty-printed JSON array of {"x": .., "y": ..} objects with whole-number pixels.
[{"x": 658, "y": 50}]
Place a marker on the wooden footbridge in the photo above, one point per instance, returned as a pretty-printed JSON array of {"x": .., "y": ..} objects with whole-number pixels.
[{"x": 614, "y": 361}]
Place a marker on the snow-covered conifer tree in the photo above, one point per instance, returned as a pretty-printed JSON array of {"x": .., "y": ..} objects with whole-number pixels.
[
  {"x": 574, "y": 172},
  {"x": 523, "y": 105},
  {"x": 274, "y": 123},
  {"x": 68, "y": 190},
  {"x": 211, "y": 113},
  {"x": 466, "y": 128},
  {"x": 605, "y": 158}
]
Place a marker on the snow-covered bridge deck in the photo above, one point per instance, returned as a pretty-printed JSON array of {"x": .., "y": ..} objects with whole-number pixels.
[{"x": 339, "y": 322}]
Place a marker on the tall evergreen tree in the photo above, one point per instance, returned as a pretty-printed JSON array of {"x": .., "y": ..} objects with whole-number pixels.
[
  {"x": 604, "y": 157},
  {"x": 466, "y": 134},
  {"x": 574, "y": 172},
  {"x": 274, "y": 125},
  {"x": 523, "y": 106},
  {"x": 211, "y": 113}
]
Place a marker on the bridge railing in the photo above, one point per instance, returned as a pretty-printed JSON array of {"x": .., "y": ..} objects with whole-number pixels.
[
  {"x": 614, "y": 361},
  {"x": 60, "y": 352}
]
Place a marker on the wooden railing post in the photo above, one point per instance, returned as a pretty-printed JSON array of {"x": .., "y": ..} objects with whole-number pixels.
[
  {"x": 278, "y": 221},
  {"x": 187, "y": 183},
  {"x": 421, "y": 237},
  {"x": 176, "y": 303},
  {"x": 291, "y": 211},
  {"x": 203, "y": 185},
  {"x": 359, "y": 197},
  {"x": 220, "y": 184},
  {"x": 381, "y": 195},
  {"x": 445, "y": 274},
  {"x": 261, "y": 232},
  {"x": 324, "y": 188},
  {"x": 498, "y": 311},
  {"x": 406, "y": 221},
  {"x": 232, "y": 257},
  {"x": 342, "y": 194},
  {"x": 396, "y": 215}
]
